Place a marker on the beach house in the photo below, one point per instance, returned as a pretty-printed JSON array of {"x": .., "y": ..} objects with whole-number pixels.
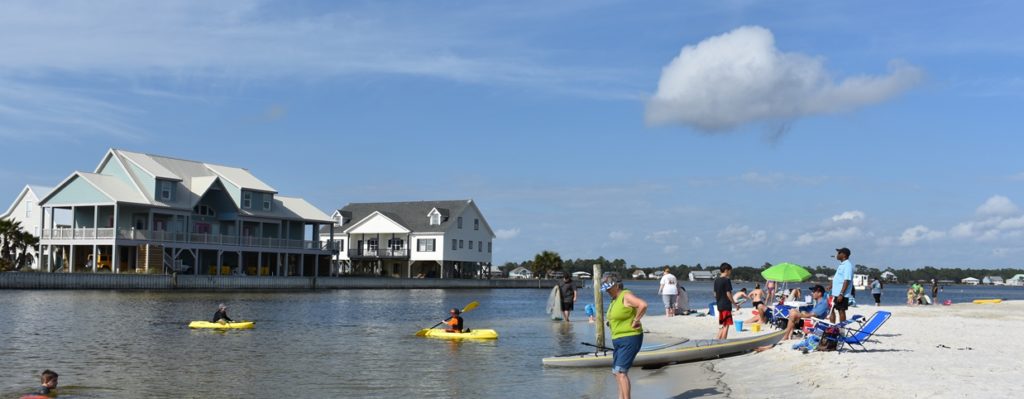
[
  {"x": 25, "y": 210},
  {"x": 702, "y": 275},
  {"x": 144, "y": 213},
  {"x": 889, "y": 277},
  {"x": 970, "y": 281},
  {"x": 520, "y": 272},
  {"x": 639, "y": 274},
  {"x": 446, "y": 239},
  {"x": 992, "y": 280}
]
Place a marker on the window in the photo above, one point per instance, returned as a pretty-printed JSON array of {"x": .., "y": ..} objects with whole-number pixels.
[
  {"x": 246, "y": 200},
  {"x": 489, "y": 247},
  {"x": 396, "y": 243},
  {"x": 371, "y": 244},
  {"x": 425, "y": 245},
  {"x": 479, "y": 246},
  {"x": 460, "y": 222},
  {"x": 268, "y": 200},
  {"x": 28, "y": 209},
  {"x": 203, "y": 210},
  {"x": 435, "y": 219},
  {"x": 166, "y": 190},
  {"x": 476, "y": 224},
  {"x": 341, "y": 244},
  {"x": 455, "y": 244},
  {"x": 460, "y": 244},
  {"x": 470, "y": 244}
]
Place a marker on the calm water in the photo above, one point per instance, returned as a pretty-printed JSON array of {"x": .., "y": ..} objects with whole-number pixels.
[{"x": 352, "y": 343}]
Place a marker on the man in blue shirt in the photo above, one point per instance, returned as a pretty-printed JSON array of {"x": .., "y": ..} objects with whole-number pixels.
[
  {"x": 842, "y": 285},
  {"x": 819, "y": 311}
]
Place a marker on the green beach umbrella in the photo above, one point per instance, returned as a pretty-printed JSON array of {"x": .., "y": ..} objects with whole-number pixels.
[{"x": 786, "y": 272}]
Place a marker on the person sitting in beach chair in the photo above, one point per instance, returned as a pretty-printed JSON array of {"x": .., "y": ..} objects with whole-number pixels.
[
  {"x": 819, "y": 311},
  {"x": 859, "y": 333}
]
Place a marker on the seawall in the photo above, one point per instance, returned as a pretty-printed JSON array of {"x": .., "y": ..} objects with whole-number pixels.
[{"x": 92, "y": 281}]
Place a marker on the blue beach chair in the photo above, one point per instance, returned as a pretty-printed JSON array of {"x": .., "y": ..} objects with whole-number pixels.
[{"x": 857, "y": 335}]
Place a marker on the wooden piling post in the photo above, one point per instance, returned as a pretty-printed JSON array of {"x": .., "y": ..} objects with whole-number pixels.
[{"x": 598, "y": 306}]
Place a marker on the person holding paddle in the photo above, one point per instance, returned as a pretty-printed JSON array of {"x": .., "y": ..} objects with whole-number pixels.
[
  {"x": 454, "y": 321},
  {"x": 222, "y": 315}
]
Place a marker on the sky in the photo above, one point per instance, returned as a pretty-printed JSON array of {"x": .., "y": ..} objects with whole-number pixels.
[{"x": 656, "y": 132}]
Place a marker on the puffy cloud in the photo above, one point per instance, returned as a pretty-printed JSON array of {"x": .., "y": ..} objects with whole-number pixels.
[
  {"x": 618, "y": 235},
  {"x": 697, "y": 242},
  {"x": 842, "y": 234},
  {"x": 670, "y": 249},
  {"x": 741, "y": 77},
  {"x": 506, "y": 234},
  {"x": 919, "y": 233},
  {"x": 998, "y": 205},
  {"x": 849, "y": 216}
]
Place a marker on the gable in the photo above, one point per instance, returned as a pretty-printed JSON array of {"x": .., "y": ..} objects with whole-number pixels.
[
  {"x": 377, "y": 223},
  {"x": 77, "y": 191}
]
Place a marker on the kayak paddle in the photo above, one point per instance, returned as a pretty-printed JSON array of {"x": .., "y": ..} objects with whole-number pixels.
[{"x": 471, "y": 306}]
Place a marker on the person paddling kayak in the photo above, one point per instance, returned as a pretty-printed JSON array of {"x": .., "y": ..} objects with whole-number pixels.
[
  {"x": 222, "y": 315},
  {"x": 455, "y": 321}
]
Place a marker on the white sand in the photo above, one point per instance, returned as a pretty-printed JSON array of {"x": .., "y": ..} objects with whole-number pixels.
[{"x": 964, "y": 350}]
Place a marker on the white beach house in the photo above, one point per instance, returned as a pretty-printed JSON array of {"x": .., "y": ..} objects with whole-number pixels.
[
  {"x": 702, "y": 275},
  {"x": 26, "y": 210},
  {"x": 143, "y": 213},
  {"x": 520, "y": 272},
  {"x": 970, "y": 281},
  {"x": 639, "y": 274},
  {"x": 446, "y": 239}
]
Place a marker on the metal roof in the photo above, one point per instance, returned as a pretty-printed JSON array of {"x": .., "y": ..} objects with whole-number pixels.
[{"x": 412, "y": 215}]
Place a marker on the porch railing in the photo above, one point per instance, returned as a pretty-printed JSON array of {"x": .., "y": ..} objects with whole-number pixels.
[
  {"x": 378, "y": 253},
  {"x": 180, "y": 237}
]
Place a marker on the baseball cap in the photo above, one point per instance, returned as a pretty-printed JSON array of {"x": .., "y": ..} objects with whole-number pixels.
[
  {"x": 606, "y": 286},
  {"x": 818, "y": 288},
  {"x": 843, "y": 250}
]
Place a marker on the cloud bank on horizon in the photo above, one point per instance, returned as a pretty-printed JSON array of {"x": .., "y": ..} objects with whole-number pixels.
[{"x": 741, "y": 77}]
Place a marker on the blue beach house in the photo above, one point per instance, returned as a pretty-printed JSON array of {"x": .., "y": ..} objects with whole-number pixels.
[{"x": 143, "y": 213}]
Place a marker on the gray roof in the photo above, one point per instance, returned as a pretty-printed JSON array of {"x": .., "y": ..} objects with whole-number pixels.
[{"x": 411, "y": 215}]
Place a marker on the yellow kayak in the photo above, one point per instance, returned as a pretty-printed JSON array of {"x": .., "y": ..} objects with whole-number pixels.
[
  {"x": 984, "y": 301},
  {"x": 225, "y": 326},
  {"x": 472, "y": 334}
]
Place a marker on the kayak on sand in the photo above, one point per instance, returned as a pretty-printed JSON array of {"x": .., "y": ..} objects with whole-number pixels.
[
  {"x": 225, "y": 326},
  {"x": 471, "y": 334}
]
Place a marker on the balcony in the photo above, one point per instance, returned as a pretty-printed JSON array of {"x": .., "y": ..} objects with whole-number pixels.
[
  {"x": 380, "y": 253},
  {"x": 67, "y": 234}
]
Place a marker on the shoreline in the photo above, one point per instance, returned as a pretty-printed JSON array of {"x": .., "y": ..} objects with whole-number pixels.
[
  {"x": 960, "y": 350},
  {"x": 105, "y": 281}
]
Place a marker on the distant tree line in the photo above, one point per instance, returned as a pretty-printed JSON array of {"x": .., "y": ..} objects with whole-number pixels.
[{"x": 546, "y": 262}]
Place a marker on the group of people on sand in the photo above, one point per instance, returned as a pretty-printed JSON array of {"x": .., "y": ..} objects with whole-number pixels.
[
  {"x": 824, "y": 303},
  {"x": 916, "y": 296}
]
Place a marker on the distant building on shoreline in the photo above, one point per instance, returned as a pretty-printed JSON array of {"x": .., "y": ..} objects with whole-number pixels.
[
  {"x": 143, "y": 213},
  {"x": 26, "y": 210},
  {"x": 444, "y": 239}
]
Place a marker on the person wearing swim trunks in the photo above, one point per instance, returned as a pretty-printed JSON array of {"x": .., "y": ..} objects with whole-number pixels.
[{"x": 724, "y": 300}]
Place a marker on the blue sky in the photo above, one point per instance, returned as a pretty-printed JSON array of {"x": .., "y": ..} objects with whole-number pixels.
[{"x": 657, "y": 132}]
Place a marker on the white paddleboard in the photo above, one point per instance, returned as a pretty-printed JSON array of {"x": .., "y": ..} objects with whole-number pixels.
[
  {"x": 927, "y": 299},
  {"x": 554, "y": 308}
]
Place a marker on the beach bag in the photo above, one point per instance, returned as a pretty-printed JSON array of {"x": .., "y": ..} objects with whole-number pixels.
[{"x": 829, "y": 339}]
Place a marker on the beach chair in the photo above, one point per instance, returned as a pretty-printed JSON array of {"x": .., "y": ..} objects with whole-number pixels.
[{"x": 853, "y": 334}]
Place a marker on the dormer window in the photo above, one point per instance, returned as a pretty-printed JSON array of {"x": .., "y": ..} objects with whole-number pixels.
[
  {"x": 268, "y": 201},
  {"x": 460, "y": 222},
  {"x": 165, "y": 190},
  {"x": 476, "y": 224},
  {"x": 246, "y": 199}
]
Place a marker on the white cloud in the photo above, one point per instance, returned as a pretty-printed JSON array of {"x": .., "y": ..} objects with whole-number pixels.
[
  {"x": 35, "y": 110},
  {"x": 841, "y": 234},
  {"x": 849, "y": 216},
  {"x": 742, "y": 236},
  {"x": 998, "y": 205},
  {"x": 506, "y": 234},
  {"x": 697, "y": 242},
  {"x": 741, "y": 77},
  {"x": 661, "y": 237},
  {"x": 670, "y": 249},
  {"x": 919, "y": 233},
  {"x": 618, "y": 235}
]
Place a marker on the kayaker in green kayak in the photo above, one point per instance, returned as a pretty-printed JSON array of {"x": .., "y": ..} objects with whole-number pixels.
[
  {"x": 454, "y": 321},
  {"x": 222, "y": 315}
]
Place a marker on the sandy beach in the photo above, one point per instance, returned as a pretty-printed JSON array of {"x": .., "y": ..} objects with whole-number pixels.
[{"x": 963, "y": 350}]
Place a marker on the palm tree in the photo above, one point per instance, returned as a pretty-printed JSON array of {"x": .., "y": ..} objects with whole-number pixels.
[
  {"x": 22, "y": 243},
  {"x": 8, "y": 233},
  {"x": 546, "y": 261}
]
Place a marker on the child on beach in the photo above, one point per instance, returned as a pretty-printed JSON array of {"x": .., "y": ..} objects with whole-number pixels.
[
  {"x": 911, "y": 297},
  {"x": 589, "y": 309},
  {"x": 740, "y": 298},
  {"x": 724, "y": 300}
]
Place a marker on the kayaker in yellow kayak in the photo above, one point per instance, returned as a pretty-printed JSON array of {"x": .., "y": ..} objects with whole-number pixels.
[
  {"x": 455, "y": 321},
  {"x": 222, "y": 315}
]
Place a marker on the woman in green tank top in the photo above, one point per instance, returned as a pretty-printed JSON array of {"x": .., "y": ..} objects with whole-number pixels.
[{"x": 623, "y": 316}]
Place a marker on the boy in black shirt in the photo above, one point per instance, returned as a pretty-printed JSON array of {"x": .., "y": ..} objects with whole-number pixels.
[{"x": 724, "y": 300}]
